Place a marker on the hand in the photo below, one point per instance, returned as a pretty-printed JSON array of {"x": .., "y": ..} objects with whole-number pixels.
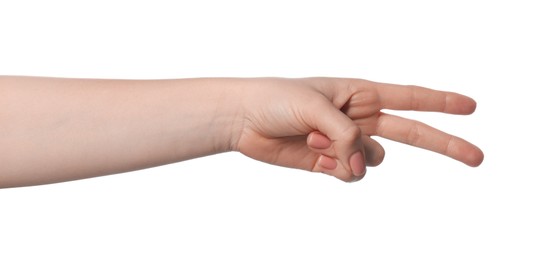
[{"x": 325, "y": 124}]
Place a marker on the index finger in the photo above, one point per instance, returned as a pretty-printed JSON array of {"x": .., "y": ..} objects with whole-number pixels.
[{"x": 409, "y": 97}]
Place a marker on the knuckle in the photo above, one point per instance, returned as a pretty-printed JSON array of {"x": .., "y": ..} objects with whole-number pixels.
[
  {"x": 414, "y": 134},
  {"x": 353, "y": 178},
  {"x": 349, "y": 178},
  {"x": 377, "y": 159},
  {"x": 380, "y": 158},
  {"x": 414, "y": 99},
  {"x": 449, "y": 145},
  {"x": 351, "y": 133},
  {"x": 369, "y": 97}
]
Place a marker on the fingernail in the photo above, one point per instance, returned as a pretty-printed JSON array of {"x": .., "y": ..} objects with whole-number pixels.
[
  {"x": 357, "y": 164},
  {"x": 318, "y": 141},
  {"x": 327, "y": 162}
]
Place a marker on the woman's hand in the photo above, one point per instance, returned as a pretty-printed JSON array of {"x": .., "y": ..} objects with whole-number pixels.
[
  {"x": 326, "y": 124},
  {"x": 66, "y": 129}
]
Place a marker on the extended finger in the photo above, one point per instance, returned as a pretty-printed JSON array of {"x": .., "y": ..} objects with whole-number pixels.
[
  {"x": 400, "y": 97},
  {"x": 418, "y": 134}
]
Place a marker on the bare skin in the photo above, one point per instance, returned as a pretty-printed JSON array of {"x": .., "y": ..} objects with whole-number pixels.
[{"x": 55, "y": 130}]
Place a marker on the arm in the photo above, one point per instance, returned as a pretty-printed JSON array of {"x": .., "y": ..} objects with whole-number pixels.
[
  {"x": 64, "y": 129},
  {"x": 56, "y": 130}
]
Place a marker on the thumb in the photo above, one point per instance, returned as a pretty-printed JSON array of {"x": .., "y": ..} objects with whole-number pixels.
[{"x": 347, "y": 149}]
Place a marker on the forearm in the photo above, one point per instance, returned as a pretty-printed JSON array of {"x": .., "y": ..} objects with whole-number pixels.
[{"x": 63, "y": 129}]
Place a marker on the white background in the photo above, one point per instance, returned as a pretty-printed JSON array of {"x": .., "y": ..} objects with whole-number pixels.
[{"x": 416, "y": 205}]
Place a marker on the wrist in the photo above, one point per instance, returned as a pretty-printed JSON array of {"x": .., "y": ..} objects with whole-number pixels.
[
  {"x": 231, "y": 112},
  {"x": 216, "y": 110}
]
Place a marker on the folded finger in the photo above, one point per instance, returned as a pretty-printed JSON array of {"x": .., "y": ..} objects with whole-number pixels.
[
  {"x": 374, "y": 152},
  {"x": 345, "y": 136},
  {"x": 319, "y": 143}
]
